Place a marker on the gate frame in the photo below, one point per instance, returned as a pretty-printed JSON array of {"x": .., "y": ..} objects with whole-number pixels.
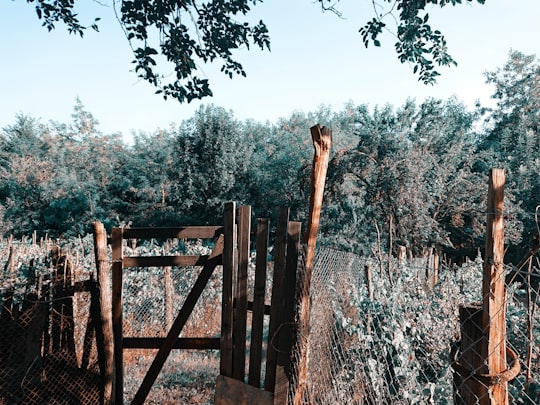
[{"x": 171, "y": 341}]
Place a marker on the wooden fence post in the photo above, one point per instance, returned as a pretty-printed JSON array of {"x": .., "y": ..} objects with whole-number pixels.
[
  {"x": 493, "y": 287},
  {"x": 483, "y": 375},
  {"x": 322, "y": 142},
  {"x": 106, "y": 354}
]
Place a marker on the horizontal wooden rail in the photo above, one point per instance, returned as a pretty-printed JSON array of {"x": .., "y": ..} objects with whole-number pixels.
[
  {"x": 181, "y": 343},
  {"x": 159, "y": 261},
  {"x": 188, "y": 232}
]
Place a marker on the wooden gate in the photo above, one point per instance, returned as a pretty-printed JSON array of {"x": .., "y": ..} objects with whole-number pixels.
[
  {"x": 231, "y": 250},
  {"x": 172, "y": 340}
]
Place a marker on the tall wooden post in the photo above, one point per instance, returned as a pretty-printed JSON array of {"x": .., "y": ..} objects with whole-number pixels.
[
  {"x": 106, "y": 353},
  {"x": 322, "y": 142},
  {"x": 482, "y": 371},
  {"x": 493, "y": 287}
]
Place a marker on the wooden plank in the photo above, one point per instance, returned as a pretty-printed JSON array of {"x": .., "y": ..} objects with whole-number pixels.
[
  {"x": 187, "y": 232},
  {"x": 494, "y": 289},
  {"x": 233, "y": 392},
  {"x": 164, "y": 261},
  {"x": 259, "y": 292},
  {"x": 280, "y": 251},
  {"x": 118, "y": 388},
  {"x": 179, "y": 323},
  {"x": 180, "y": 343},
  {"x": 240, "y": 311},
  {"x": 286, "y": 332},
  {"x": 225, "y": 364},
  {"x": 104, "y": 328}
]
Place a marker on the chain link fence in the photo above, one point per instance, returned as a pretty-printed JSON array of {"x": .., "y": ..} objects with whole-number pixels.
[
  {"x": 385, "y": 332},
  {"x": 152, "y": 298},
  {"x": 47, "y": 347}
]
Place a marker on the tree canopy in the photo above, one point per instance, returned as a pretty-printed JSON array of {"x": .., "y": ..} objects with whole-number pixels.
[{"x": 188, "y": 34}]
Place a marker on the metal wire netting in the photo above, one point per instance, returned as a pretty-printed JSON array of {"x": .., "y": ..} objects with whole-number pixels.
[
  {"x": 390, "y": 340},
  {"x": 152, "y": 298},
  {"x": 47, "y": 346}
]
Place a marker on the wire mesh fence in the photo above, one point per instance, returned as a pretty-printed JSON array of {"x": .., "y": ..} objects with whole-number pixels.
[
  {"x": 386, "y": 333},
  {"x": 47, "y": 348}
]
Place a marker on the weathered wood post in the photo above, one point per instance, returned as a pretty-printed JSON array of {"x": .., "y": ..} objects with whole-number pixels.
[
  {"x": 104, "y": 331},
  {"x": 483, "y": 374},
  {"x": 493, "y": 287},
  {"x": 322, "y": 142}
]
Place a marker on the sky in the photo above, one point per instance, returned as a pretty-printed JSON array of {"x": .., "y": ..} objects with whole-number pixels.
[{"x": 316, "y": 59}]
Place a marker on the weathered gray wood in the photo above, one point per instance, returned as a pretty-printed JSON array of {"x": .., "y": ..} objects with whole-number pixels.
[
  {"x": 280, "y": 252},
  {"x": 240, "y": 311},
  {"x": 233, "y": 392},
  {"x": 226, "y": 344},
  {"x": 257, "y": 322}
]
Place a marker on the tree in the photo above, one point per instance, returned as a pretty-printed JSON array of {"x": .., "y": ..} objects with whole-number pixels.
[
  {"x": 191, "y": 33},
  {"x": 211, "y": 158},
  {"x": 411, "y": 174},
  {"x": 512, "y": 138}
]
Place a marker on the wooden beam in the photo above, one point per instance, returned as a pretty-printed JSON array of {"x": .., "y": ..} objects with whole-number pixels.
[
  {"x": 286, "y": 332},
  {"x": 280, "y": 254},
  {"x": 240, "y": 311},
  {"x": 180, "y": 343},
  {"x": 225, "y": 364},
  {"x": 117, "y": 320},
  {"x": 259, "y": 292},
  {"x": 164, "y": 261},
  {"x": 187, "y": 232}
]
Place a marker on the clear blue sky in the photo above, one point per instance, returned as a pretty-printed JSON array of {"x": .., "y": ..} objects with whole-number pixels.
[{"x": 316, "y": 59}]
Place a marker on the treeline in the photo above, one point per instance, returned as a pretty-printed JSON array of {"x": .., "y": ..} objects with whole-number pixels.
[{"x": 415, "y": 175}]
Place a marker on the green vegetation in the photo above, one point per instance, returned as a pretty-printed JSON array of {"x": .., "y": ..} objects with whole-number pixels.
[{"x": 417, "y": 171}]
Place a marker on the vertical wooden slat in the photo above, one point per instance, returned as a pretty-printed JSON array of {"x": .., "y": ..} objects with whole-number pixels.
[
  {"x": 239, "y": 337},
  {"x": 493, "y": 287},
  {"x": 286, "y": 332},
  {"x": 280, "y": 252},
  {"x": 117, "y": 320},
  {"x": 255, "y": 357},
  {"x": 226, "y": 342}
]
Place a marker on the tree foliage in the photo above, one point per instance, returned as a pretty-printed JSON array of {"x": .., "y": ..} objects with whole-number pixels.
[
  {"x": 416, "y": 174},
  {"x": 187, "y": 34}
]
